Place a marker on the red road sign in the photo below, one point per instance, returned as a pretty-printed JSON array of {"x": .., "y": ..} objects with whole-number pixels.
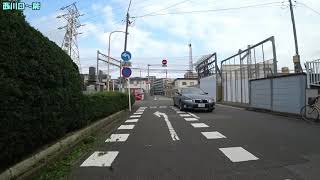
[{"x": 164, "y": 62}]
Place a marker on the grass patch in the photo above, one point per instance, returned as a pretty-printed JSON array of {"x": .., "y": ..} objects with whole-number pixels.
[{"x": 62, "y": 167}]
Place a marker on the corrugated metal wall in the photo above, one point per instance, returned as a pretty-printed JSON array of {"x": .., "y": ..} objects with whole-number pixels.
[
  {"x": 260, "y": 93},
  {"x": 282, "y": 94},
  {"x": 208, "y": 84}
]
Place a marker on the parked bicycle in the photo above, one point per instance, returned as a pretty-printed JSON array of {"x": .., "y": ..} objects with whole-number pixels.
[{"x": 311, "y": 111}]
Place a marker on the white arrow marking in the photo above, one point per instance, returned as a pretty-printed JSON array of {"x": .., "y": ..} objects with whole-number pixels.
[
  {"x": 172, "y": 132},
  {"x": 126, "y": 56}
]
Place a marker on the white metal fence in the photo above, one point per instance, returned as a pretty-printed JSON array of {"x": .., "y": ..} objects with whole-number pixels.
[
  {"x": 257, "y": 61},
  {"x": 313, "y": 73}
]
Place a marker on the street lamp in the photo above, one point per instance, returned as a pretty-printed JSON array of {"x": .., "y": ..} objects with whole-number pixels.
[{"x": 108, "y": 86}]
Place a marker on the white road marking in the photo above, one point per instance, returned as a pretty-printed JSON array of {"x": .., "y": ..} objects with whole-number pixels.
[
  {"x": 126, "y": 127},
  {"x": 143, "y": 107},
  {"x": 238, "y": 154},
  {"x": 117, "y": 138},
  {"x": 153, "y": 107},
  {"x": 199, "y": 125},
  {"x": 179, "y": 112},
  {"x": 185, "y": 115},
  {"x": 135, "y": 116},
  {"x": 131, "y": 120},
  {"x": 163, "y": 107},
  {"x": 155, "y": 98},
  {"x": 137, "y": 113},
  {"x": 213, "y": 135},
  {"x": 100, "y": 159},
  {"x": 194, "y": 115},
  {"x": 172, "y": 132},
  {"x": 191, "y": 119}
]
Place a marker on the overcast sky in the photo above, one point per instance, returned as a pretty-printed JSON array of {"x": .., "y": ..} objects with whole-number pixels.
[{"x": 153, "y": 38}]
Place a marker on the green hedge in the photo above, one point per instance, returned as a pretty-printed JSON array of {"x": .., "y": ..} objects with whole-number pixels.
[
  {"x": 40, "y": 92},
  {"x": 100, "y": 105}
]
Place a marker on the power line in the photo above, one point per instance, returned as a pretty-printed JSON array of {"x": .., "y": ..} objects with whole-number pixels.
[
  {"x": 209, "y": 10},
  {"x": 315, "y": 11},
  {"x": 168, "y": 7}
]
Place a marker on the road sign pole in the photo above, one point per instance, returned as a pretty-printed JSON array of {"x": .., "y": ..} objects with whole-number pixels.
[
  {"x": 129, "y": 94},
  {"x": 126, "y": 72}
]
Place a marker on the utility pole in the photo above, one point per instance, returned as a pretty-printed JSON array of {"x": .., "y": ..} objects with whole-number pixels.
[
  {"x": 126, "y": 34},
  {"x": 148, "y": 80},
  {"x": 70, "y": 40},
  {"x": 98, "y": 66},
  {"x": 125, "y": 40},
  {"x": 109, "y": 56},
  {"x": 296, "y": 58},
  {"x": 125, "y": 49},
  {"x": 140, "y": 81}
]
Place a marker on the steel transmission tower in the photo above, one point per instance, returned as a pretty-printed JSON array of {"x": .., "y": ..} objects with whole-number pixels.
[{"x": 70, "y": 40}]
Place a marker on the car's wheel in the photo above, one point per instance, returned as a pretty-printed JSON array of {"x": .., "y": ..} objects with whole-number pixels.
[{"x": 181, "y": 106}]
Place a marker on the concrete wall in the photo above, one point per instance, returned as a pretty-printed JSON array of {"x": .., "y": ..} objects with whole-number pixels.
[
  {"x": 282, "y": 94},
  {"x": 208, "y": 84}
]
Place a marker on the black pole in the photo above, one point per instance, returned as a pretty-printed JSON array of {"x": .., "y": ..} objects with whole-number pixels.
[
  {"x": 294, "y": 29},
  {"x": 126, "y": 34},
  {"x": 296, "y": 58}
]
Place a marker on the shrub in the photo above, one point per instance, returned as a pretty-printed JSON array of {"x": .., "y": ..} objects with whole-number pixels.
[{"x": 40, "y": 92}]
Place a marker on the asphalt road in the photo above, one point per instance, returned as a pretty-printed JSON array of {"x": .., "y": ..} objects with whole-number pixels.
[{"x": 230, "y": 144}]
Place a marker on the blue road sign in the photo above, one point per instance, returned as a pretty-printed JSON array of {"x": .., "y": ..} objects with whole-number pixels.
[
  {"x": 126, "y": 55},
  {"x": 126, "y": 72}
]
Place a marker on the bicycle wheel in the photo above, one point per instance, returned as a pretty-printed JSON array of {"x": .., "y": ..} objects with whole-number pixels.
[{"x": 309, "y": 113}]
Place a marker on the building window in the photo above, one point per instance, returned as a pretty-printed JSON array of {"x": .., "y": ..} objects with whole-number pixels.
[
  {"x": 184, "y": 83},
  {"x": 191, "y": 83}
]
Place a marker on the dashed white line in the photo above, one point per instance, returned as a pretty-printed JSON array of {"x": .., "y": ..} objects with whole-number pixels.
[
  {"x": 135, "y": 116},
  {"x": 137, "y": 113},
  {"x": 131, "y": 120},
  {"x": 191, "y": 119},
  {"x": 199, "y": 125},
  {"x": 213, "y": 135},
  {"x": 163, "y": 107},
  {"x": 194, "y": 115},
  {"x": 185, "y": 115},
  {"x": 117, "y": 138},
  {"x": 238, "y": 154},
  {"x": 153, "y": 107},
  {"x": 180, "y": 112},
  {"x": 100, "y": 159},
  {"x": 126, "y": 127}
]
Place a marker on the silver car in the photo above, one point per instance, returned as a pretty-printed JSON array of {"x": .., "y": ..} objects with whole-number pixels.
[{"x": 193, "y": 98}]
